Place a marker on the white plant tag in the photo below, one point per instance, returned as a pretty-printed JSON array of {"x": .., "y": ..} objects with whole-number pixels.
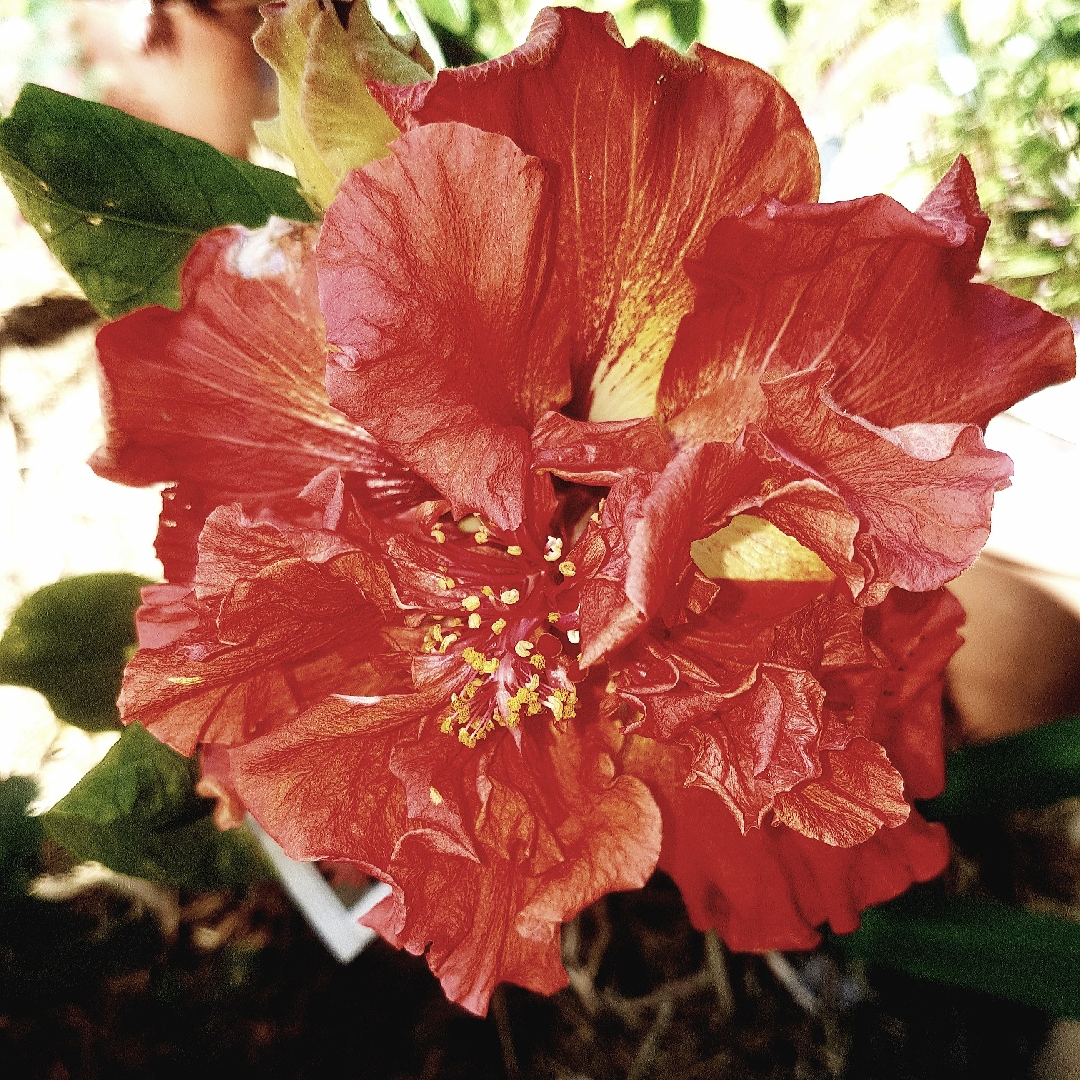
[{"x": 338, "y": 926}]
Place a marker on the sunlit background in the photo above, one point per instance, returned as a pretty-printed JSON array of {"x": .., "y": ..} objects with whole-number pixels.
[{"x": 891, "y": 89}]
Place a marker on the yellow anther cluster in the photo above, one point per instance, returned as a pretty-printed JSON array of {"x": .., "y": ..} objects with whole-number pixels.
[
  {"x": 488, "y": 591},
  {"x": 470, "y": 731},
  {"x": 562, "y": 704},
  {"x": 446, "y": 583},
  {"x": 553, "y": 549},
  {"x": 567, "y": 568},
  {"x": 537, "y": 660},
  {"x": 482, "y": 536},
  {"x": 509, "y": 596},
  {"x": 471, "y": 603},
  {"x": 526, "y": 698},
  {"x": 436, "y": 639},
  {"x": 498, "y": 626},
  {"x": 437, "y": 534},
  {"x": 523, "y": 648},
  {"x": 513, "y": 549},
  {"x": 474, "y": 621},
  {"x": 553, "y": 617},
  {"x": 479, "y": 662}
]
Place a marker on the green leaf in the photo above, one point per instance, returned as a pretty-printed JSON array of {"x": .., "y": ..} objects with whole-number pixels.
[
  {"x": 70, "y": 641},
  {"x": 120, "y": 201},
  {"x": 1023, "y": 771},
  {"x": 980, "y": 944},
  {"x": 137, "y": 812},
  {"x": 20, "y": 836}
]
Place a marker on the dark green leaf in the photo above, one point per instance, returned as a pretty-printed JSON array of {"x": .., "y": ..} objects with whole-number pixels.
[
  {"x": 120, "y": 201},
  {"x": 981, "y": 944},
  {"x": 70, "y": 641},
  {"x": 137, "y": 812},
  {"x": 20, "y": 836},
  {"x": 1027, "y": 770}
]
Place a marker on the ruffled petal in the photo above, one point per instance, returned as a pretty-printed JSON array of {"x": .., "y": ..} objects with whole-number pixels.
[
  {"x": 279, "y": 633},
  {"x": 921, "y": 494},
  {"x": 772, "y": 888},
  {"x": 880, "y": 295},
  {"x": 226, "y": 395},
  {"x": 858, "y": 792},
  {"x": 321, "y": 784},
  {"x": 431, "y": 263},
  {"x": 650, "y": 149},
  {"x": 598, "y": 453}
]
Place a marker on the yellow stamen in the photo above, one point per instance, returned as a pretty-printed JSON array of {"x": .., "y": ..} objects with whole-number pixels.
[
  {"x": 474, "y": 621},
  {"x": 471, "y": 603},
  {"x": 567, "y": 568},
  {"x": 488, "y": 591},
  {"x": 553, "y": 617},
  {"x": 537, "y": 660},
  {"x": 446, "y": 583},
  {"x": 523, "y": 648},
  {"x": 482, "y": 536},
  {"x": 510, "y": 596},
  {"x": 498, "y": 626},
  {"x": 513, "y": 549},
  {"x": 438, "y": 535},
  {"x": 553, "y": 549}
]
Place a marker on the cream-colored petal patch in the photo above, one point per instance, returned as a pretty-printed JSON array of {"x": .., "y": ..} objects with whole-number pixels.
[{"x": 750, "y": 549}]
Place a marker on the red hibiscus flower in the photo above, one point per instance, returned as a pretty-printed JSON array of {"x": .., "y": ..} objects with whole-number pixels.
[{"x": 618, "y": 539}]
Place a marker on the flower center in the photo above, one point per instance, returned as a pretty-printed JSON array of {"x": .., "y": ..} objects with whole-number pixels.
[{"x": 509, "y": 651}]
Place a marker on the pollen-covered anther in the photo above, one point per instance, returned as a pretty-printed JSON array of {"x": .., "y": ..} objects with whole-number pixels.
[
  {"x": 437, "y": 534},
  {"x": 479, "y": 662},
  {"x": 488, "y": 591},
  {"x": 537, "y": 660},
  {"x": 553, "y": 617},
  {"x": 567, "y": 568},
  {"x": 553, "y": 549},
  {"x": 509, "y": 596},
  {"x": 482, "y": 536},
  {"x": 446, "y": 583},
  {"x": 498, "y": 626},
  {"x": 474, "y": 621},
  {"x": 561, "y": 703},
  {"x": 471, "y": 603},
  {"x": 513, "y": 549},
  {"x": 523, "y": 648}
]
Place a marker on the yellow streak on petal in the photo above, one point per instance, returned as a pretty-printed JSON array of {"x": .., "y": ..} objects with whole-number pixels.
[{"x": 750, "y": 549}]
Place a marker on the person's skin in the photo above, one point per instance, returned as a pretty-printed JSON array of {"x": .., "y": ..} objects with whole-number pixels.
[
  {"x": 1020, "y": 664},
  {"x": 196, "y": 71}
]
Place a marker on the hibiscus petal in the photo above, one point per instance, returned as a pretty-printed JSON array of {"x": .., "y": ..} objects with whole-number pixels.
[
  {"x": 431, "y": 263},
  {"x": 921, "y": 497},
  {"x": 650, "y": 149},
  {"x": 858, "y": 793},
  {"x": 881, "y": 295},
  {"x": 598, "y": 453},
  {"x": 226, "y": 395},
  {"x": 918, "y": 634},
  {"x": 771, "y": 888},
  {"x": 283, "y": 634},
  {"x": 321, "y": 784},
  {"x": 556, "y": 829}
]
